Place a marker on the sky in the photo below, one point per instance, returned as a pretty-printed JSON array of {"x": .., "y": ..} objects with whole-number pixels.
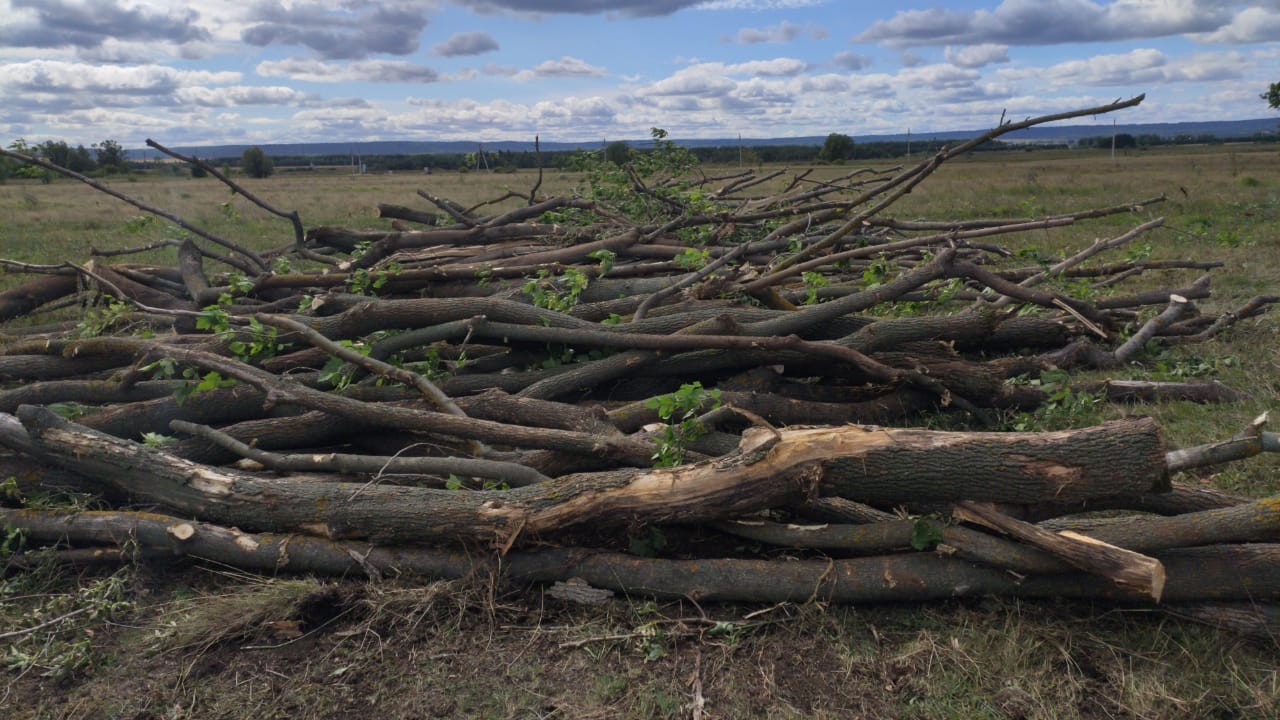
[{"x": 277, "y": 71}]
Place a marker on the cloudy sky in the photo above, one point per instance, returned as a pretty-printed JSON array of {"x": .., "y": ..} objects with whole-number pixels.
[{"x": 266, "y": 71}]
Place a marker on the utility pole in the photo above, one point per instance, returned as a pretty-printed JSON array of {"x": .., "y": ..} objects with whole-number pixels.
[{"x": 1113, "y": 141}]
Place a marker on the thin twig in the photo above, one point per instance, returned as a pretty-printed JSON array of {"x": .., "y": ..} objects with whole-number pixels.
[
  {"x": 910, "y": 178},
  {"x": 442, "y": 401},
  {"x": 45, "y": 624}
]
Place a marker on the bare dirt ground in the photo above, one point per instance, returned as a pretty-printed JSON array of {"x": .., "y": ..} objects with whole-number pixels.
[{"x": 200, "y": 643}]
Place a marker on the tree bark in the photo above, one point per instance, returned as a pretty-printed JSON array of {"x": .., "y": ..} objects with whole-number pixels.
[
  {"x": 28, "y": 368},
  {"x": 32, "y": 294},
  {"x": 770, "y": 469},
  {"x": 1126, "y": 568},
  {"x": 1222, "y": 573},
  {"x": 400, "y": 212}
]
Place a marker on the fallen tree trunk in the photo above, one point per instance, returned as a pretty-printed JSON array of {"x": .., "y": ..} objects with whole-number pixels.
[
  {"x": 27, "y": 297},
  {"x": 1218, "y": 573},
  {"x": 1256, "y": 521},
  {"x": 858, "y": 463}
]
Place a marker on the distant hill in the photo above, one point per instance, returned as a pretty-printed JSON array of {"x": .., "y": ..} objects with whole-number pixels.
[{"x": 1225, "y": 129}]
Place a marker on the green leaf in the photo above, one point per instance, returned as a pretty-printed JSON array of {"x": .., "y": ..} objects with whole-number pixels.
[
  {"x": 156, "y": 440},
  {"x": 926, "y": 533},
  {"x": 212, "y": 380},
  {"x": 68, "y": 410},
  {"x": 649, "y": 544}
]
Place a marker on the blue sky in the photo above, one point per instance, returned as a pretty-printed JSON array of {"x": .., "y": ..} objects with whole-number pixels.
[{"x": 268, "y": 71}]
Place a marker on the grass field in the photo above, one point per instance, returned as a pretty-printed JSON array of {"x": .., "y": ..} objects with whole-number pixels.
[{"x": 200, "y": 643}]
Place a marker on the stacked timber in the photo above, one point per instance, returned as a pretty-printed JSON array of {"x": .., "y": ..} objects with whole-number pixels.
[{"x": 665, "y": 355}]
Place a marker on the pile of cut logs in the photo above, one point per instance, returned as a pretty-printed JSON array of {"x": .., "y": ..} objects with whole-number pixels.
[{"x": 707, "y": 390}]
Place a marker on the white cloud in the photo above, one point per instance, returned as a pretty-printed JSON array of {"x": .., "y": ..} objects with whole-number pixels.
[
  {"x": 717, "y": 80},
  {"x": 910, "y": 59},
  {"x": 824, "y": 84},
  {"x": 783, "y": 32},
  {"x": 1049, "y": 22},
  {"x": 851, "y": 60},
  {"x": 347, "y": 30},
  {"x": 757, "y": 92},
  {"x": 57, "y": 76},
  {"x": 1252, "y": 25},
  {"x": 703, "y": 79},
  {"x": 626, "y": 8},
  {"x": 976, "y": 56},
  {"x": 118, "y": 52},
  {"x": 569, "y": 116},
  {"x": 238, "y": 95},
  {"x": 1140, "y": 67},
  {"x": 959, "y": 68},
  {"x": 879, "y": 86},
  {"x": 389, "y": 71},
  {"x": 776, "y": 67},
  {"x": 939, "y": 77},
  {"x": 565, "y": 67},
  {"x": 756, "y": 4},
  {"x": 111, "y": 122},
  {"x": 467, "y": 43},
  {"x": 345, "y": 123},
  {"x": 499, "y": 70},
  {"x": 84, "y": 24}
]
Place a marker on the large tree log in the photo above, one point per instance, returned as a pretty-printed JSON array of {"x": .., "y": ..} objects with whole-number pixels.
[
  {"x": 220, "y": 405},
  {"x": 85, "y": 392},
  {"x": 1182, "y": 498},
  {"x": 860, "y": 463},
  {"x": 1245, "y": 618},
  {"x": 875, "y": 532},
  {"x": 1218, "y": 573},
  {"x": 1257, "y": 521},
  {"x": 32, "y": 294},
  {"x": 26, "y": 368},
  {"x": 33, "y": 478},
  {"x": 401, "y": 212}
]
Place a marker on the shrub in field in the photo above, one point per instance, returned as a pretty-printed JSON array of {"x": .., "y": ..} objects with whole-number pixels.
[
  {"x": 836, "y": 147},
  {"x": 256, "y": 163},
  {"x": 111, "y": 157}
]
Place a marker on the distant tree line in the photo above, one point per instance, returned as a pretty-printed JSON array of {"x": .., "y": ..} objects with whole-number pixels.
[
  {"x": 1125, "y": 141},
  {"x": 108, "y": 157},
  {"x": 104, "y": 158},
  {"x": 619, "y": 152},
  {"x": 837, "y": 148}
]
